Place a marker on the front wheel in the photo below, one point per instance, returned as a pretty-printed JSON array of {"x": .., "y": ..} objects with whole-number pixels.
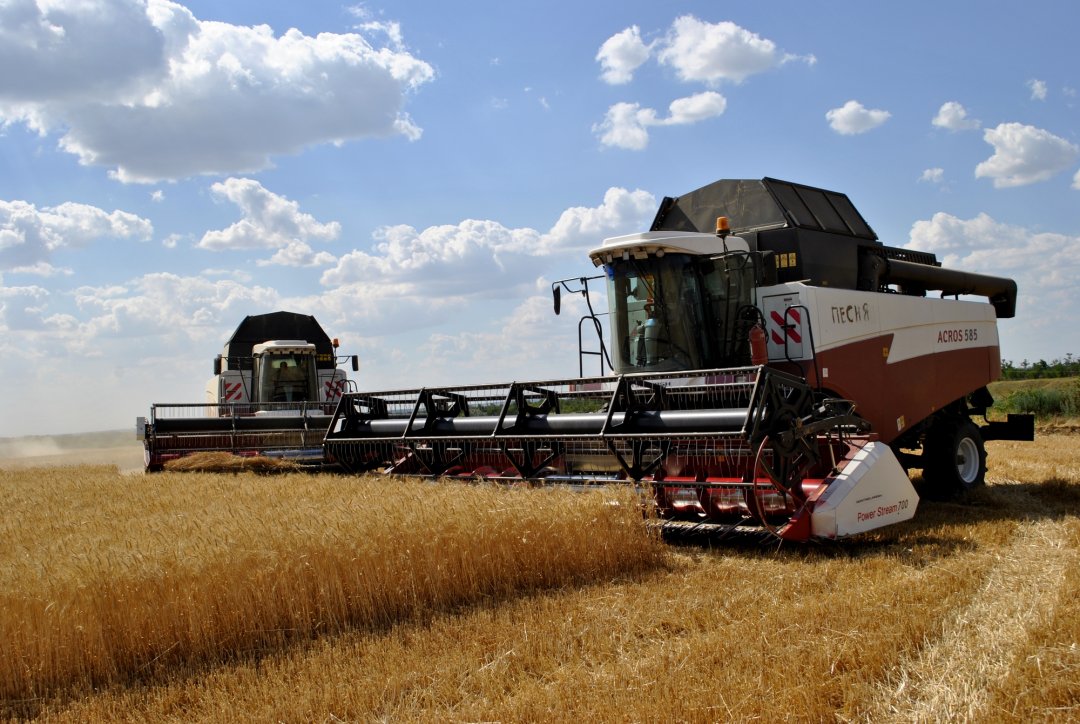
[{"x": 954, "y": 457}]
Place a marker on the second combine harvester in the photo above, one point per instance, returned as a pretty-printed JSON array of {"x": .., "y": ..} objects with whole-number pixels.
[{"x": 777, "y": 375}]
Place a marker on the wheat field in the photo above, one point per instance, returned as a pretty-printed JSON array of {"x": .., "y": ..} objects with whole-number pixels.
[{"x": 294, "y": 597}]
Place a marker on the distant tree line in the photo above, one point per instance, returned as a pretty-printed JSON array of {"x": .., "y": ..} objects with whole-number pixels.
[{"x": 1068, "y": 367}]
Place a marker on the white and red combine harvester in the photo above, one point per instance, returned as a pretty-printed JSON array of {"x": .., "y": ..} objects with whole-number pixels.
[
  {"x": 777, "y": 375},
  {"x": 274, "y": 390}
]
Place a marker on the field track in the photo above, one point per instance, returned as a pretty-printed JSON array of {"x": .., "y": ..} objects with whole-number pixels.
[
  {"x": 955, "y": 676},
  {"x": 967, "y": 613}
]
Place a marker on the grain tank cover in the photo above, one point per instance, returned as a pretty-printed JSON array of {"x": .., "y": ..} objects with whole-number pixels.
[
  {"x": 811, "y": 234},
  {"x": 752, "y": 205},
  {"x": 259, "y": 328}
]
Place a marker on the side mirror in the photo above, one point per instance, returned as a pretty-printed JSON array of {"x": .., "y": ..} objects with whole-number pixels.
[
  {"x": 356, "y": 363},
  {"x": 217, "y": 365},
  {"x": 556, "y": 292}
]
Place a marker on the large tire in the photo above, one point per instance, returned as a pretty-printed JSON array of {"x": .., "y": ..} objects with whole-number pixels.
[{"x": 955, "y": 458}]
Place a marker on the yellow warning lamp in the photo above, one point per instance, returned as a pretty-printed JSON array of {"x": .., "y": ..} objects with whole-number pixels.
[
  {"x": 722, "y": 227},
  {"x": 335, "y": 342}
]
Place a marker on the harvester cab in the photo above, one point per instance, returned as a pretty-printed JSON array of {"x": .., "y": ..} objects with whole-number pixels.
[
  {"x": 775, "y": 368},
  {"x": 285, "y": 371},
  {"x": 676, "y": 302}
]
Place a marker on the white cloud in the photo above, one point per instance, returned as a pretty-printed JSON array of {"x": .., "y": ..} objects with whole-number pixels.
[
  {"x": 298, "y": 253},
  {"x": 1024, "y": 154},
  {"x": 699, "y": 51},
  {"x": 391, "y": 30},
  {"x": 1038, "y": 89},
  {"x": 953, "y": 116},
  {"x": 269, "y": 221},
  {"x": 508, "y": 349},
  {"x": 412, "y": 279},
  {"x": 29, "y": 236},
  {"x": 853, "y": 118},
  {"x": 165, "y": 305},
  {"x": 713, "y": 52},
  {"x": 467, "y": 257},
  {"x": 153, "y": 336},
  {"x": 695, "y": 108},
  {"x": 1076, "y": 181},
  {"x": 153, "y": 93},
  {"x": 584, "y": 227},
  {"x": 621, "y": 55},
  {"x": 69, "y": 53},
  {"x": 933, "y": 175},
  {"x": 483, "y": 258},
  {"x": 626, "y": 124},
  {"x": 21, "y": 307},
  {"x": 1045, "y": 266}
]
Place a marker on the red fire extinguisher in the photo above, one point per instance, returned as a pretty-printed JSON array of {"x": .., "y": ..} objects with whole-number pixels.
[{"x": 759, "y": 351}]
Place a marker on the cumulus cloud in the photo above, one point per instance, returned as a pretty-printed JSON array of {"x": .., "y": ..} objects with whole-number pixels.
[
  {"x": 1045, "y": 265},
  {"x": 471, "y": 257},
  {"x": 626, "y": 124},
  {"x": 75, "y": 52},
  {"x": 153, "y": 93},
  {"x": 1024, "y": 155},
  {"x": 1038, "y": 89},
  {"x": 953, "y": 116},
  {"x": 582, "y": 227},
  {"x": 29, "y": 236},
  {"x": 21, "y": 307},
  {"x": 1076, "y": 181},
  {"x": 507, "y": 349},
  {"x": 621, "y": 55},
  {"x": 714, "y": 52},
  {"x": 269, "y": 221},
  {"x": 162, "y": 304},
  {"x": 477, "y": 258},
  {"x": 152, "y": 336},
  {"x": 698, "y": 51},
  {"x": 853, "y": 118},
  {"x": 933, "y": 175}
]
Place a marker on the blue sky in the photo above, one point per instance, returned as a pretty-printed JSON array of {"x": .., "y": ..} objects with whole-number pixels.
[{"x": 416, "y": 174}]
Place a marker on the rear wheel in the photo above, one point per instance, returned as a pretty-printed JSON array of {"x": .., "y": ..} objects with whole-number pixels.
[{"x": 954, "y": 457}]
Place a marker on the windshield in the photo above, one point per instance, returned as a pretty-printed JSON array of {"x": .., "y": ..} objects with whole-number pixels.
[
  {"x": 679, "y": 311},
  {"x": 287, "y": 378}
]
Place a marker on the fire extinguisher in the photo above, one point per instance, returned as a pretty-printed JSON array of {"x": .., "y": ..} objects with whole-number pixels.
[{"x": 759, "y": 351}]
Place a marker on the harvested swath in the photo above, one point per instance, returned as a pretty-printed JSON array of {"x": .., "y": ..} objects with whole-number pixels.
[
  {"x": 224, "y": 462},
  {"x": 104, "y": 582}
]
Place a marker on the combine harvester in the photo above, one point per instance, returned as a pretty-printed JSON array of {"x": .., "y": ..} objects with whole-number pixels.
[
  {"x": 777, "y": 376},
  {"x": 274, "y": 390},
  {"x": 780, "y": 375}
]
